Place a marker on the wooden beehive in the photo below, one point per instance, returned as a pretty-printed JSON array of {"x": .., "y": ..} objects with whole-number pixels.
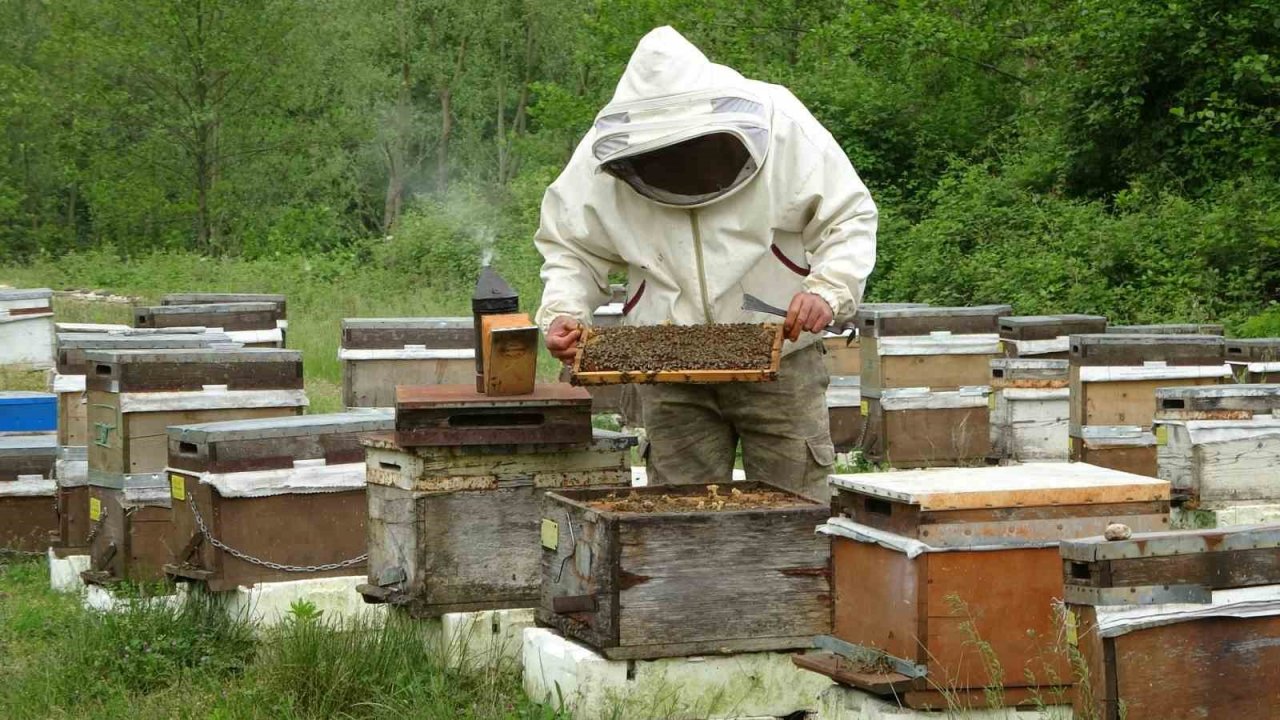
[
  {"x": 287, "y": 490},
  {"x": 924, "y": 562},
  {"x": 844, "y": 412},
  {"x": 1176, "y": 626},
  {"x": 455, "y": 529},
  {"x": 888, "y": 321},
  {"x": 1045, "y": 336},
  {"x": 27, "y": 454},
  {"x": 252, "y": 323},
  {"x": 510, "y": 351},
  {"x": 134, "y": 395},
  {"x": 1127, "y": 448},
  {"x": 71, "y": 471},
  {"x": 1168, "y": 329},
  {"x": 379, "y": 354},
  {"x": 638, "y": 585},
  {"x": 218, "y": 298},
  {"x": 1030, "y": 409},
  {"x": 26, "y": 329},
  {"x": 844, "y": 350},
  {"x": 1254, "y": 361},
  {"x": 1222, "y": 462},
  {"x": 449, "y": 415},
  {"x": 940, "y": 361},
  {"x": 28, "y": 519},
  {"x": 916, "y": 427},
  {"x": 69, "y": 381}
]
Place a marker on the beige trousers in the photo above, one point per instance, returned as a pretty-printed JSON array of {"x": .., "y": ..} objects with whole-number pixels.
[{"x": 693, "y": 430}]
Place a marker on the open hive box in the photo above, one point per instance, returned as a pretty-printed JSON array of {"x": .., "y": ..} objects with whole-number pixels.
[
  {"x": 640, "y": 573},
  {"x": 678, "y": 354}
]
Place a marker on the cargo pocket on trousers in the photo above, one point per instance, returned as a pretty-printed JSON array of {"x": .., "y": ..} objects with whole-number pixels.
[{"x": 822, "y": 450}]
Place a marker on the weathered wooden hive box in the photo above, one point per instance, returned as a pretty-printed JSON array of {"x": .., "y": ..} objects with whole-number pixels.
[
  {"x": 1168, "y": 329},
  {"x": 927, "y": 563},
  {"x": 1254, "y": 361},
  {"x": 378, "y": 354},
  {"x": 844, "y": 412},
  {"x": 844, "y": 350},
  {"x": 925, "y": 374},
  {"x": 1176, "y": 626},
  {"x": 27, "y": 490},
  {"x": 634, "y": 583},
  {"x": 251, "y": 323},
  {"x": 69, "y": 380},
  {"x": 1220, "y": 445},
  {"x": 26, "y": 329},
  {"x": 134, "y": 395},
  {"x": 270, "y": 500},
  {"x": 1030, "y": 409},
  {"x": 1047, "y": 337},
  {"x": 1114, "y": 378},
  {"x": 455, "y": 415},
  {"x": 208, "y": 298},
  {"x": 71, "y": 473},
  {"x": 455, "y": 528}
]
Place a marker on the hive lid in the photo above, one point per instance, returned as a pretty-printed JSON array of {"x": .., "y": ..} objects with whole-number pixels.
[
  {"x": 1045, "y": 327},
  {"x": 193, "y": 355},
  {"x": 411, "y": 323},
  {"x": 1260, "y": 349},
  {"x": 1030, "y": 485},
  {"x": 25, "y": 294},
  {"x": 372, "y": 420},
  {"x": 107, "y": 340},
  {"x": 1168, "y": 329},
  {"x": 206, "y": 308}
]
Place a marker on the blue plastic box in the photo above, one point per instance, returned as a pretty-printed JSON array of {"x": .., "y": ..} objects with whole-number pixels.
[{"x": 28, "y": 411}]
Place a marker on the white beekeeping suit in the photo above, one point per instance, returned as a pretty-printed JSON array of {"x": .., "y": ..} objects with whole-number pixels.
[{"x": 777, "y": 212}]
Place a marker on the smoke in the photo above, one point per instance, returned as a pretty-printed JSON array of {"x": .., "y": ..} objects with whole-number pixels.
[{"x": 486, "y": 238}]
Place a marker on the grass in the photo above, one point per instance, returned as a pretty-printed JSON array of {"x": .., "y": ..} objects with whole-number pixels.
[
  {"x": 321, "y": 291},
  {"x": 194, "y": 661}
]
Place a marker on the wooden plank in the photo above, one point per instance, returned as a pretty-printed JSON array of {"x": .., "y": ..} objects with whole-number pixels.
[
  {"x": 228, "y": 316},
  {"x": 205, "y": 298},
  {"x": 1120, "y": 349},
  {"x": 846, "y": 672},
  {"x": 884, "y": 322},
  {"x": 73, "y": 418},
  {"x": 843, "y": 357},
  {"x": 1209, "y": 668},
  {"x": 453, "y": 333},
  {"x": 876, "y": 599},
  {"x": 1135, "y": 460},
  {"x": 273, "y": 442},
  {"x": 130, "y": 545},
  {"x": 510, "y": 352},
  {"x": 189, "y": 370},
  {"x": 373, "y": 383},
  {"x": 73, "y": 520}
]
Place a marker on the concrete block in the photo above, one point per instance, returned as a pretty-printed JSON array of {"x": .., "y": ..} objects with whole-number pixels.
[
  {"x": 481, "y": 640},
  {"x": 64, "y": 573},
  {"x": 1224, "y": 516},
  {"x": 99, "y": 598},
  {"x": 574, "y": 678},
  {"x": 838, "y": 702},
  {"x": 269, "y": 604}
]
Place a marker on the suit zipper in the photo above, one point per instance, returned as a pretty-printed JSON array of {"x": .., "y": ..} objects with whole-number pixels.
[{"x": 702, "y": 268}]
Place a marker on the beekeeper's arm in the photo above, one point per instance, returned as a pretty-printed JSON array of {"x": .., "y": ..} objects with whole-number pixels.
[
  {"x": 575, "y": 270},
  {"x": 840, "y": 235}
]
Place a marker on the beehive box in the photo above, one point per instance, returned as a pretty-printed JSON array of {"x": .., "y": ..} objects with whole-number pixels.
[
  {"x": 917, "y": 427},
  {"x": 252, "y": 323},
  {"x": 1127, "y": 448},
  {"x": 134, "y": 395},
  {"x": 68, "y": 383},
  {"x": 1254, "y": 361},
  {"x": 454, "y": 415},
  {"x": 1045, "y": 336},
  {"x": 844, "y": 350},
  {"x": 455, "y": 529},
  {"x": 635, "y": 583},
  {"x": 209, "y": 298},
  {"x": 1217, "y": 402},
  {"x": 71, "y": 472},
  {"x": 1114, "y": 377},
  {"x": 27, "y": 515},
  {"x": 924, "y": 561},
  {"x": 1220, "y": 445},
  {"x": 26, "y": 329},
  {"x": 1168, "y": 329},
  {"x": 1174, "y": 626},
  {"x": 27, "y": 454},
  {"x": 939, "y": 361},
  {"x": 288, "y": 491},
  {"x": 844, "y": 412},
  {"x": 25, "y": 411},
  {"x": 1030, "y": 409},
  {"x": 877, "y": 322},
  {"x": 377, "y": 354}
]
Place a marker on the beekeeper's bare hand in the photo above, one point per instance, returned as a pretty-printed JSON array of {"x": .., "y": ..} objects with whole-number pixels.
[
  {"x": 807, "y": 312},
  {"x": 562, "y": 338}
]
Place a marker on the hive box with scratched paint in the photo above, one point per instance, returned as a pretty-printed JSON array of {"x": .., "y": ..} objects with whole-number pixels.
[
  {"x": 666, "y": 584},
  {"x": 1045, "y": 336},
  {"x": 918, "y": 427},
  {"x": 455, "y": 528},
  {"x": 378, "y": 354},
  {"x": 918, "y": 555},
  {"x": 290, "y": 490},
  {"x": 898, "y": 321},
  {"x": 1256, "y": 360},
  {"x": 27, "y": 489},
  {"x": 938, "y": 361},
  {"x": 1030, "y": 409}
]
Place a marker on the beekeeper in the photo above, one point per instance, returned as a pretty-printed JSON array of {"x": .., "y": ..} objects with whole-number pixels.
[{"x": 703, "y": 185}]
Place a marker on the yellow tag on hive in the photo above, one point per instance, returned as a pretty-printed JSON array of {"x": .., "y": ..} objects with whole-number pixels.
[
  {"x": 1000, "y": 346},
  {"x": 1073, "y": 635},
  {"x": 550, "y": 534},
  {"x": 95, "y": 509},
  {"x": 991, "y": 401},
  {"x": 178, "y": 487},
  {"x": 1162, "y": 435},
  {"x": 864, "y": 407}
]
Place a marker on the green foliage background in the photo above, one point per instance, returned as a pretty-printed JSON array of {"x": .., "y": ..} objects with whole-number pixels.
[{"x": 1111, "y": 156}]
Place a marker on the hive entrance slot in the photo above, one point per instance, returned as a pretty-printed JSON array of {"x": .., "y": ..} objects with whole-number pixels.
[
  {"x": 1080, "y": 571},
  {"x": 102, "y": 369},
  {"x": 497, "y": 419},
  {"x": 187, "y": 448},
  {"x": 1173, "y": 403},
  {"x": 877, "y": 506}
]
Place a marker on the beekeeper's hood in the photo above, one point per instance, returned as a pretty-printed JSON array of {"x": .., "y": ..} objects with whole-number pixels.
[{"x": 682, "y": 130}]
